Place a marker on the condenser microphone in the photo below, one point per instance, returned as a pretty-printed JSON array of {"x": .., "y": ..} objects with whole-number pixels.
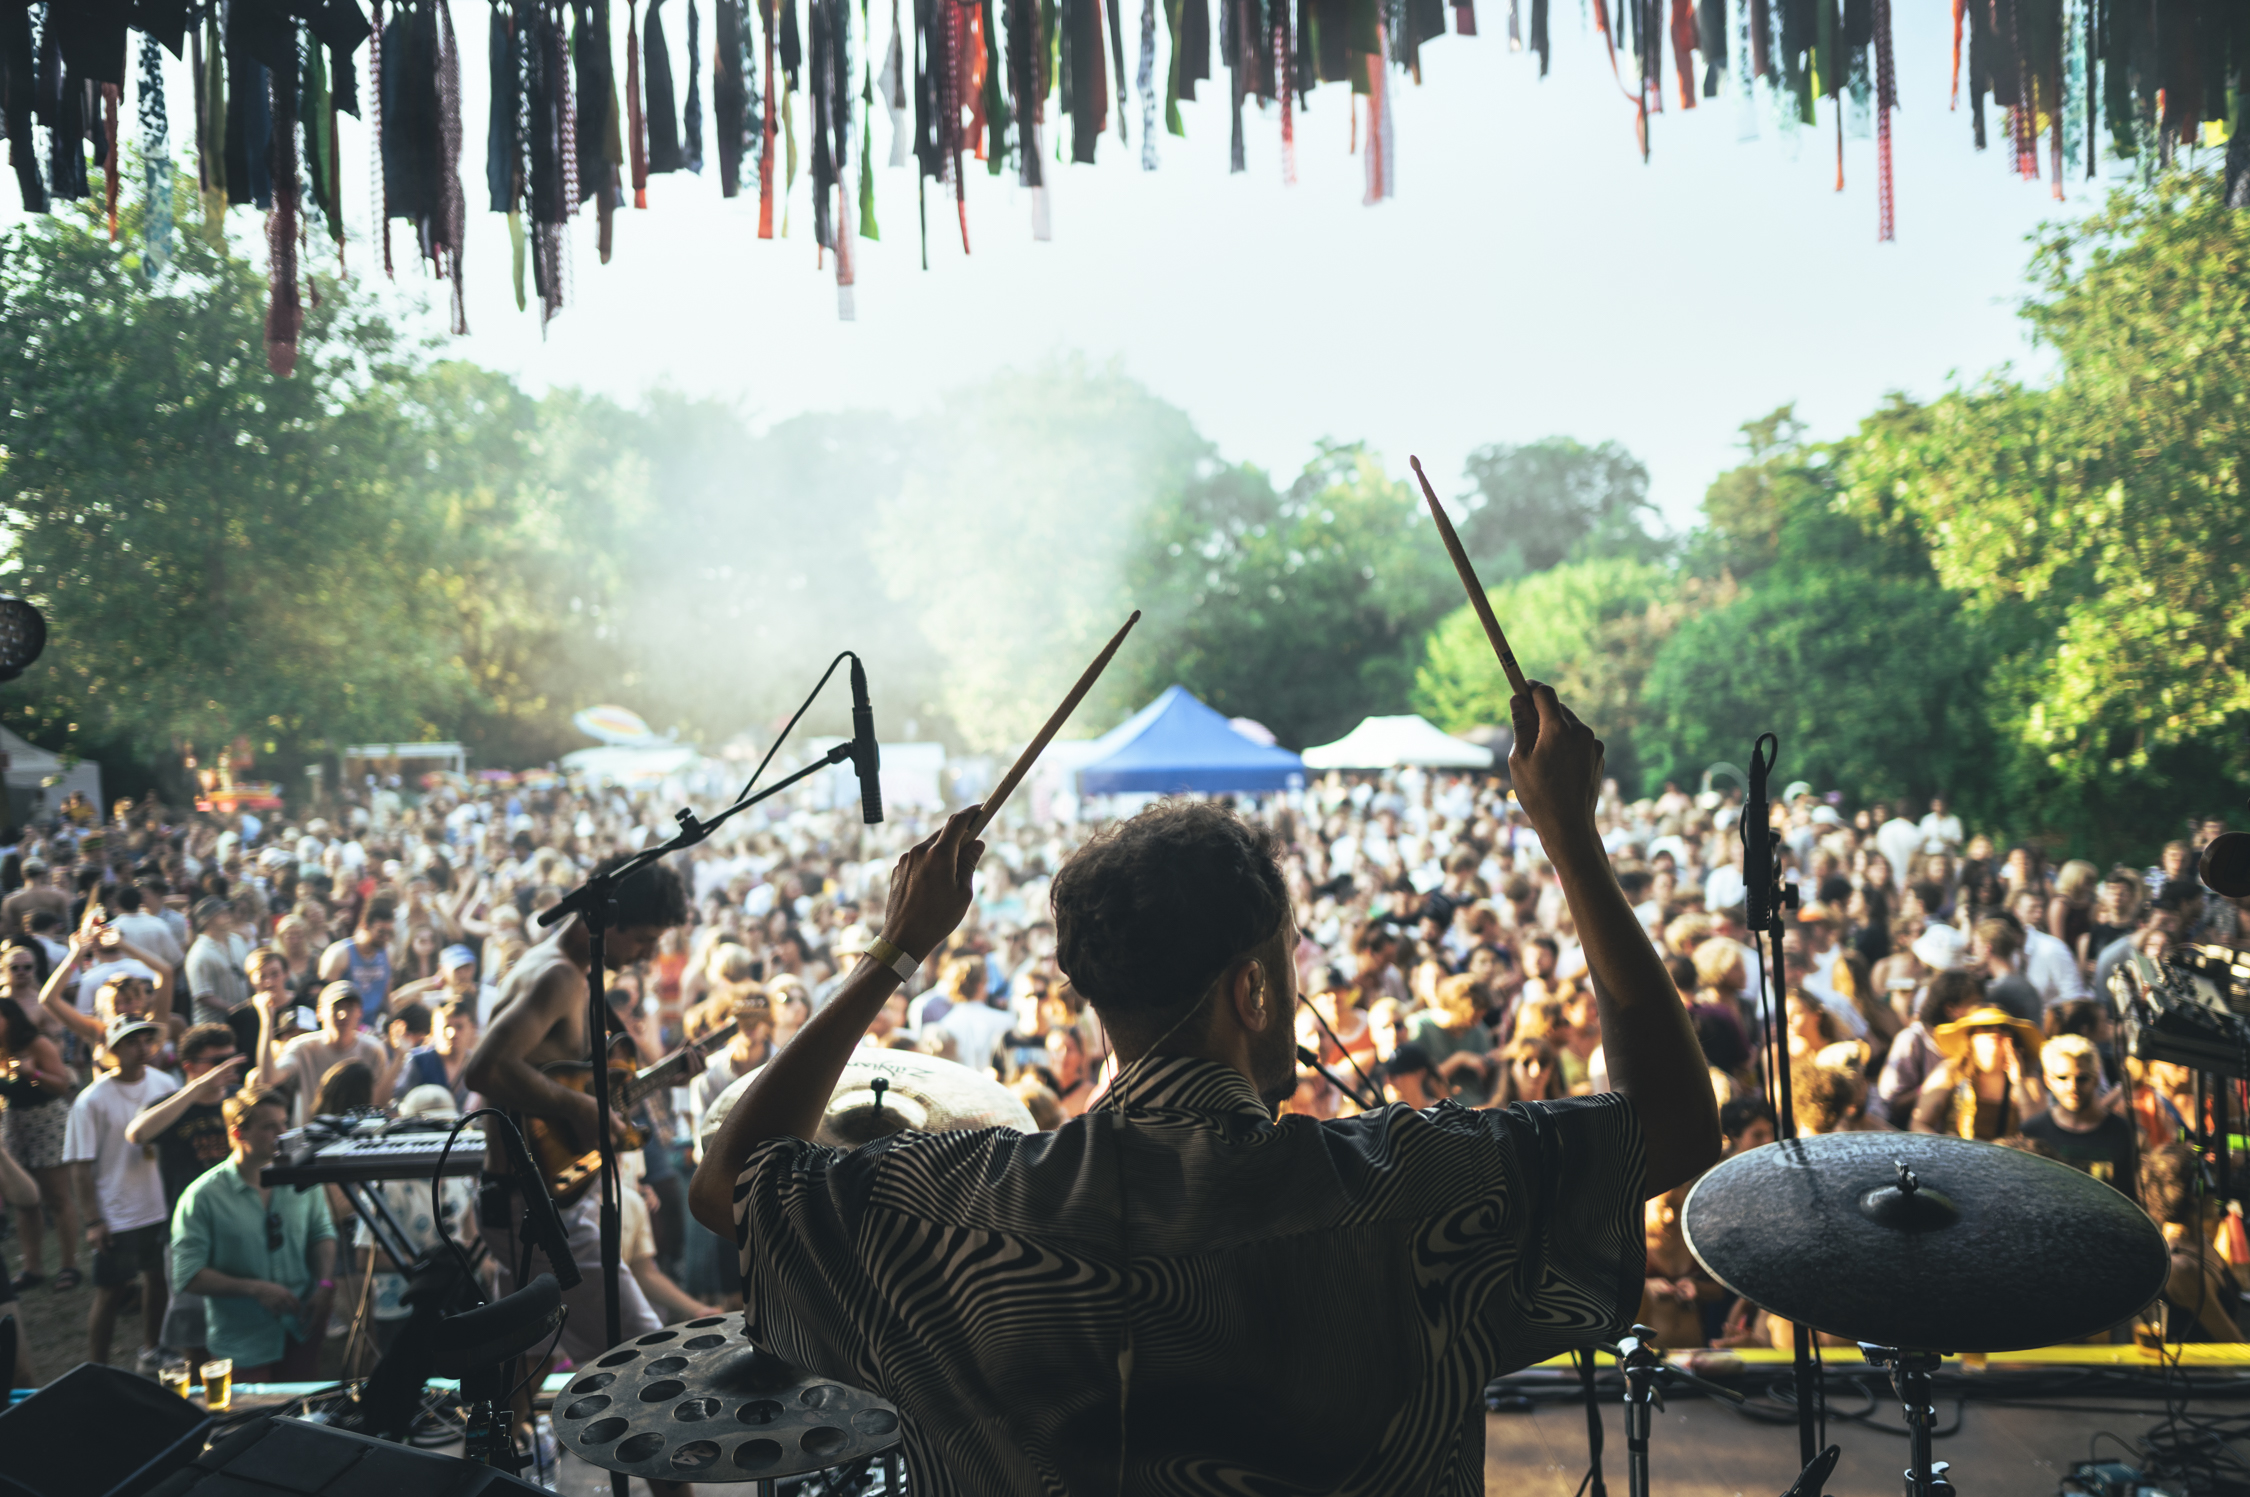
[{"x": 867, "y": 758}]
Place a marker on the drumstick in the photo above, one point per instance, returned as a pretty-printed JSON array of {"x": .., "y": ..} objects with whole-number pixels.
[
  {"x": 1477, "y": 599},
  {"x": 1039, "y": 742}
]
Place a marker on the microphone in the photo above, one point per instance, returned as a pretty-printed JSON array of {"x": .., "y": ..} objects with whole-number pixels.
[
  {"x": 867, "y": 758},
  {"x": 1758, "y": 838},
  {"x": 2226, "y": 864}
]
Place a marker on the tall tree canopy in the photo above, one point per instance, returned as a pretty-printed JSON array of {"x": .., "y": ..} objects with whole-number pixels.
[
  {"x": 2109, "y": 506},
  {"x": 1536, "y": 505}
]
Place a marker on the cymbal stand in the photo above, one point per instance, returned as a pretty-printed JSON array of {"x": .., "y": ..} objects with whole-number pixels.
[
  {"x": 1911, "y": 1375},
  {"x": 1643, "y": 1364}
]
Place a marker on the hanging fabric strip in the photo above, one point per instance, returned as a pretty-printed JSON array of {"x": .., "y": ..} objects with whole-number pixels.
[
  {"x": 867, "y": 226},
  {"x": 1238, "y": 39},
  {"x": 603, "y": 124},
  {"x": 890, "y": 87},
  {"x": 727, "y": 97},
  {"x": 970, "y": 61},
  {"x": 956, "y": 38},
  {"x": 451, "y": 206},
  {"x": 110, "y": 101},
  {"x": 1886, "y": 101},
  {"x": 156, "y": 162},
  {"x": 765, "y": 152},
  {"x": 502, "y": 69},
  {"x": 379, "y": 184},
  {"x": 660, "y": 127},
  {"x": 691, "y": 117},
  {"x": 19, "y": 65},
  {"x": 284, "y": 309},
  {"x": 636, "y": 139},
  {"x": 1684, "y": 36},
  {"x": 1117, "y": 56},
  {"x": 824, "y": 175},
  {"x": 992, "y": 73},
  {"x": 1958, "y": 7},
  {"x": 1288, "y": 96},
  {"x": 1146, "y": 81}
]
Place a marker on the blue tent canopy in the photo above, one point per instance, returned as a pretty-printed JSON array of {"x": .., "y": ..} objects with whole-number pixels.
[{"x": 1177, "y": 745}]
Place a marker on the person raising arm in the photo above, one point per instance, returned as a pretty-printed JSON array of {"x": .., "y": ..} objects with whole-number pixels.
[
  {"x": 1647, "y": 1037},
  {"x": 930, "y": 891}
]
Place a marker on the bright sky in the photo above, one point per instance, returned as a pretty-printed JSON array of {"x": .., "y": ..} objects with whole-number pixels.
[{"x": 1532, "y": 276}]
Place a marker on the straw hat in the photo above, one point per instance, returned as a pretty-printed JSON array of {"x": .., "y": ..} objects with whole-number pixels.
[{"x": 1953, "y": 1039}]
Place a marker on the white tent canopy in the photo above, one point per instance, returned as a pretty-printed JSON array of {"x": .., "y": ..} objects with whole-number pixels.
[{"x": 1393, "y": 742}]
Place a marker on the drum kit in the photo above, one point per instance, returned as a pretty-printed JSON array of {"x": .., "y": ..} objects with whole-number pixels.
[{"x": 1914, "y": 1246}]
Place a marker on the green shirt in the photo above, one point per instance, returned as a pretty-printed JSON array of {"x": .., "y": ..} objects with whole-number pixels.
[
  {"x": 221, "y": 1223},
  {"x": 1471, "y": 1090}
]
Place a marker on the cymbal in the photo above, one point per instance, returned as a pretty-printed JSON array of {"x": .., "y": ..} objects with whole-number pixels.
[
  {"x": 697, "y": 1402},
  {"x": 1981, "y": 1249},
  {"x": 920, "y": 1092}
]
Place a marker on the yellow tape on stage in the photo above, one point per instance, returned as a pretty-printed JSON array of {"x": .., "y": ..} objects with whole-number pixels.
[{"x": 2194, "y": 1354}]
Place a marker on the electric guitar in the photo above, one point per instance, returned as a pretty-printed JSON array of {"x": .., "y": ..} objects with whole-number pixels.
[{"x": 570, "y": 1162}]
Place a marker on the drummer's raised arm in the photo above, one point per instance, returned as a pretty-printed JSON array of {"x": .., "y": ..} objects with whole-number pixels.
[
  {"x": 1647, "y": 1039},
  {"x": 930, "y": 892}
]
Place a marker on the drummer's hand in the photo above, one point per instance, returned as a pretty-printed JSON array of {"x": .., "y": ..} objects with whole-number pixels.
[
  {"x": 1556, "y": 765},
  {"x": 932, "y": 885}
]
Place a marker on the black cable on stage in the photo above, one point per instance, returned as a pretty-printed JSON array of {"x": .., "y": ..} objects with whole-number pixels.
[{"x": 1591, "y": 1484}]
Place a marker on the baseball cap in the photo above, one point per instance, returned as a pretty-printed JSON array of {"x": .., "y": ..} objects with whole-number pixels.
[
  {"x": 1795, "y": 789},
  {"x": 131, "y": 966},
  {"x": 119, "y": 1028},
  {"x": 1941, "y": 947},
  {"x": 456, "y": 956},
  {"x": 428, "y": 1101}
]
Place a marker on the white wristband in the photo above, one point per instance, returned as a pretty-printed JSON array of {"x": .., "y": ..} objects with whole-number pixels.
[{"x": 894, "y": 957}]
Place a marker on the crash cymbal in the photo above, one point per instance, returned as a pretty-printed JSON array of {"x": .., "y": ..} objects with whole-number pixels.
[
  {"x": 697, "y": 1402},
  {"x": 882, "y": 1092},
  {"x": 1925, "y": 1242}
]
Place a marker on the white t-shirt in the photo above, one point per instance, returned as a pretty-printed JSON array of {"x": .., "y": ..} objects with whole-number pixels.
[
  {"x": 127, "y": 1181},
  {"x": 307, "y": 1058}
]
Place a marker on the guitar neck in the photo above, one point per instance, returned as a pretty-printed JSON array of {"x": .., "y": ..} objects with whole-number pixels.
[{"x": 668, "y": 1071}]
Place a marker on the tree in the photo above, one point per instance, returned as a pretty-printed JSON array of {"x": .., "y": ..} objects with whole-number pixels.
[
  {"x": 1872, "y": 684},
  {"x": 1591, "y": 629},
  {"x": 219, "y": 552},
  {"x": 1008, "y": 534},
  {"x": 1534, "y": 506},
  {"x": 1303, "y": 608},
  {"x": 2108, "y": 508}
]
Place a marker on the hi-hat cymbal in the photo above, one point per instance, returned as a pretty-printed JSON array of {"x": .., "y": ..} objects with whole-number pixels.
[
  {"x": 697, "y": 1402},
  {"x": 919, "y": 1092},
  {"x": 1925, "y": 1242}
]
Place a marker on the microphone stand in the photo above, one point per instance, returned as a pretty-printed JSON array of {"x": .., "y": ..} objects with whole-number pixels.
[
  {"x": 593, "y": 902},
  {"x": 1767, "y": 904}
]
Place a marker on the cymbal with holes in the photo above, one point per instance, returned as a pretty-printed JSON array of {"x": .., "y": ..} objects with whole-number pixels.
[
  {"x": 698, "y": 1402},
  {"x": 1925, "y": 1242}
]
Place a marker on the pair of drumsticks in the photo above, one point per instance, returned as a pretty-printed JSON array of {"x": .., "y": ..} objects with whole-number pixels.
[{"x": 1093, "y": 673}]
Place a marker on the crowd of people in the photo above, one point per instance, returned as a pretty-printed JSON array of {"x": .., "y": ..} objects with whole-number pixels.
[{"x": 180, "y": 989}]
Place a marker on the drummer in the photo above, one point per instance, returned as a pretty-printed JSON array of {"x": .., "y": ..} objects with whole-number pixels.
[{"x": 1154, "y": 1287}]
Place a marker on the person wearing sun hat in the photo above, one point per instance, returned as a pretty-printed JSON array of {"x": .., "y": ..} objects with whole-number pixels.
[{"x": 1985, "y": 1089}]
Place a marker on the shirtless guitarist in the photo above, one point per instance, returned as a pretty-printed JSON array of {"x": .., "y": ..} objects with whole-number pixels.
[{"x": 540, "y": 1018}]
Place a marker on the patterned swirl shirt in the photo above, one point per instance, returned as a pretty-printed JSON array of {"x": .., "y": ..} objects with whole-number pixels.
[{"x": 1314, "y": 1306}]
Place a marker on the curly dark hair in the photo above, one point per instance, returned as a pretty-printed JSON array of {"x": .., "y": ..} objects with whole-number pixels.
[
  {"x": 1152, "y": 910},
  {"x": 652, "y": 897}
]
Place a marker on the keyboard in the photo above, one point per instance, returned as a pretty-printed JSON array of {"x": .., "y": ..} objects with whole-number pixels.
[{"x": 324, "y": 1159}]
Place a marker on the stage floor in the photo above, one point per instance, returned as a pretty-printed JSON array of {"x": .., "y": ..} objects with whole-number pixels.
[{"x": 1699, "y": 1448}]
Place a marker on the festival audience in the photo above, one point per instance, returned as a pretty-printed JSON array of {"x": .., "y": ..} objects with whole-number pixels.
[{"x": 1934, "y": 979}]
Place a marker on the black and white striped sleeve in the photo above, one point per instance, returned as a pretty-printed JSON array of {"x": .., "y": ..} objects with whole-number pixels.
[
  {"x": 806, "y": 1288},
  {"x": 1577, "y": 1170}
]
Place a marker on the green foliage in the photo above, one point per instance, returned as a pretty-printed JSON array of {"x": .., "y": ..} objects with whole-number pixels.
[
  {"x": 2109, "y": 508},
  {"x": 1591, "y": 629},
  {"x": 1304, "y": 608},
  {"x": 1872, "y": 684},
  {"x": 220, "y": 552},
  {"x": 1539, "y": 504}
]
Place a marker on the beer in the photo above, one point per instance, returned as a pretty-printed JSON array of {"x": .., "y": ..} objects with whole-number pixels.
[
  {"x": 218, "y": 1384},
  {"x": 174, "y": 1377}
]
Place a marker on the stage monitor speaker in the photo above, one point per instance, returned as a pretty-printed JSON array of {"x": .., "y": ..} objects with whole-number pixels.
[
  {"x": 98, "y": 1432},
  {"x": 292, "y": 1458}
]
